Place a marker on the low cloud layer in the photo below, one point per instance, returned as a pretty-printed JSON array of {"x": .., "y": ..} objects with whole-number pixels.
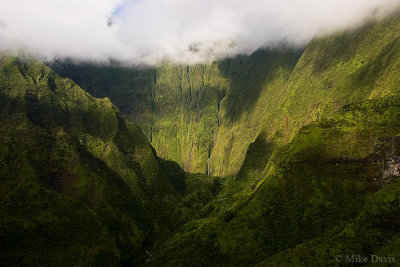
[{"x": 183, "y": 31}]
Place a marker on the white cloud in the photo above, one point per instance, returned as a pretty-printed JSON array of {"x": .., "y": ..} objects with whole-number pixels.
[{"x": 148, "y": 31}]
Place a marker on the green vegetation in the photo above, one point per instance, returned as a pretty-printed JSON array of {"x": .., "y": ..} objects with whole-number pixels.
[
  {"x": 336, "y": 177},
  {"x": 204, "y": 117},
  {"x": 291, "y": 158},
  {"x": 79, "y": 183},
  {"x": 190, "y": 114},
  {"x": 300, "y": 189}
]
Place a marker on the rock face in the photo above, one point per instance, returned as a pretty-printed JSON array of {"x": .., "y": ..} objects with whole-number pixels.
[{"x": 392, "y": 169}]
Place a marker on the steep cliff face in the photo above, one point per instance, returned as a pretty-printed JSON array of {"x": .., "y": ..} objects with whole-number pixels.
[
  {"x": 204, "y": 117},
  {"x": 185, "y": 114},
  {"x": 177, "y": 107}
]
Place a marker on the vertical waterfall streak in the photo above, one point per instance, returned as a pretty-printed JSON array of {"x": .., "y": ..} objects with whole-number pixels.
[
  {"x": 151, "y": 133},
  {"x": 190, "y": 84},
  {"x": 155, "y": 82},
  {"x": 208, "y": 166},
  {"x": 208, "y": 158},
  {"x": 151, "y": 84},
  {"x": 219, "y": 113},
  {"x": 188, "y": 139},
  {"x": 152, "y": 95},
  {"x": 180, "y": 76},
  {"x": 191, "y": 152}
]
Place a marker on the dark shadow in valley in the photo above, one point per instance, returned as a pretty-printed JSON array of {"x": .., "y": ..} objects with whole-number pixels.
[
  {"x": 129, "y": 88},
  {"x": 249, "y": 75},
  {"x": 257, "y": 156}
]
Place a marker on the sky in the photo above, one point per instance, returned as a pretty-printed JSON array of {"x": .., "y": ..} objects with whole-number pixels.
[{"x": 181, "y": 31}]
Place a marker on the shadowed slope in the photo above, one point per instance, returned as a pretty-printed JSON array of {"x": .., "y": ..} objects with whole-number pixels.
[{"x": 79, "y": 183}]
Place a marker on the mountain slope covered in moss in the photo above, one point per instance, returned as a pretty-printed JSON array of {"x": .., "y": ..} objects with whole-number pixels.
[
  {"x": 190, "y": 114},
  {"x": 300, "y": 189},
  {"x": 306, "y": 193},
  {"x": 331, "y": 191},
  {"x": 204, "y": 117},
  {"x": 305, "y": 143},
  {"x": 78, "y": 181}
]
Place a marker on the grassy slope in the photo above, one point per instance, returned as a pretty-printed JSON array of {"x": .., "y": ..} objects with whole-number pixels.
[
  {"x": 344, "y": 68},
  {"x": 77, "y": 180}
]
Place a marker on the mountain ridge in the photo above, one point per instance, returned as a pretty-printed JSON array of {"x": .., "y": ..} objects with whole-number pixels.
[{"x": 308, "y": 156}]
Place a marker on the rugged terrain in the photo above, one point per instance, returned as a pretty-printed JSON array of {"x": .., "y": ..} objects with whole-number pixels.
[
  {"x": 205, "y": 116},
  {"x": 292, "y": 157}
]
